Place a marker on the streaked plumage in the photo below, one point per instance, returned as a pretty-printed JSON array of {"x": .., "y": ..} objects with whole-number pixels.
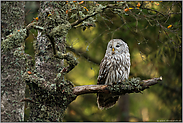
[{"x": 114, "y": 67}]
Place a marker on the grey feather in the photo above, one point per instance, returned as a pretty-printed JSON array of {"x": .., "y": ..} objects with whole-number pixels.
[{"x": 114, "y": 67}]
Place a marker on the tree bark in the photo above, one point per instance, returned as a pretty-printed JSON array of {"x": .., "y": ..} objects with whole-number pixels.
[
  {"x": 49, "y": 92},
  {"x": 13, "y": 64}
]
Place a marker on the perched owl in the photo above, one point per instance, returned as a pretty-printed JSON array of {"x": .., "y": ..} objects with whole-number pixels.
[{"x": 114, "y": 67}]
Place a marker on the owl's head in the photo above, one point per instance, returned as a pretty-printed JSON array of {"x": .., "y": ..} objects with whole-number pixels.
[{"x": 116, "y": 46}]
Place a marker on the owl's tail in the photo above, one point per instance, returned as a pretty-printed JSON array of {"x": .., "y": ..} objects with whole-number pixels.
[{"x": 106, "y": 100}]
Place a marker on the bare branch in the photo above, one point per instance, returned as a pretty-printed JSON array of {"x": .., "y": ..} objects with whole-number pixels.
[
  {"x": 90, "y": 89},
  {"x": 35, "y": 26},
  {"x": 129, "y": 86}
]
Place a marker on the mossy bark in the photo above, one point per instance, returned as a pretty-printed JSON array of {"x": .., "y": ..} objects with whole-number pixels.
[
  {"x": 12, "y": 16},
  {"x": 13, "y": 62},
  {"x": 49, "y": 92}
]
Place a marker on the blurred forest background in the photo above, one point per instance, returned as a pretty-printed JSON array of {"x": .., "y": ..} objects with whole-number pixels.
[{"x": 153, "y": 32}]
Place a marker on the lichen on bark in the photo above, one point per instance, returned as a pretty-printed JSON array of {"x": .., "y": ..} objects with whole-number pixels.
[
  {"x": 12, "y": 16},
  {"x": 49, "y": 91},
  {"x": 14, "y": 40},
  {"x": 49, "y": 101},
  {"x": 13, "y": 61}
]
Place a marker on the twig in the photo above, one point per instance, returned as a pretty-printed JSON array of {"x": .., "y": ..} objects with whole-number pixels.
[
  {"x": 34, "y": 25},
  {"x": 27, "y": 100},
  {"x": 83, "y": 54},
  {"x": 118, "y": 89},
  {"x": 153, "y": 10},
  {"x": 164, "y": 30}
]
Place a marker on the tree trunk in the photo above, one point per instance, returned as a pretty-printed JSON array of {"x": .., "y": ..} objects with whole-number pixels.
[
  {"x": 49, "y": 91},
  {"x": 12, "y": 64}
]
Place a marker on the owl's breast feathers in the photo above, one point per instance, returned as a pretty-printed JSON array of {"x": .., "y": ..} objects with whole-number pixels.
[{"x": 114, "y": 68}]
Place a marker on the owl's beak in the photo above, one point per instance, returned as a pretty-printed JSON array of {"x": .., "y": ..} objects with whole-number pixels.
[{"x": 113, "y": 51}]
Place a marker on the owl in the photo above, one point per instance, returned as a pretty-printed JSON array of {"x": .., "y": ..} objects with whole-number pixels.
[{"x": 114, "y": 68}]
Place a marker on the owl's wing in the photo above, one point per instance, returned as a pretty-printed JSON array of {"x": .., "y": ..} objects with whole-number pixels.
[
  {"x": 104, "y": 100},
  {"x": 102, "y": 72}
]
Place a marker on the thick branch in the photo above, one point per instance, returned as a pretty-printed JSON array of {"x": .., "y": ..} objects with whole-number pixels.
[
  {"x": 95, "y": 13},
  {"x": 71, "y": 61},
  {"x": 129, "y": 86},
  {"x": 81, "y": 20}
]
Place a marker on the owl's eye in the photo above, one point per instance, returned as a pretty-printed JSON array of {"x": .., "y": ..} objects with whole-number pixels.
[
  {"x": 110, "y": 46},
  {"x": 117, "y": 45}
]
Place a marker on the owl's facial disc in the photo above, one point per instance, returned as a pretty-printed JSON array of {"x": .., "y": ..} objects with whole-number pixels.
[{"x": 115, "y": 48}]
